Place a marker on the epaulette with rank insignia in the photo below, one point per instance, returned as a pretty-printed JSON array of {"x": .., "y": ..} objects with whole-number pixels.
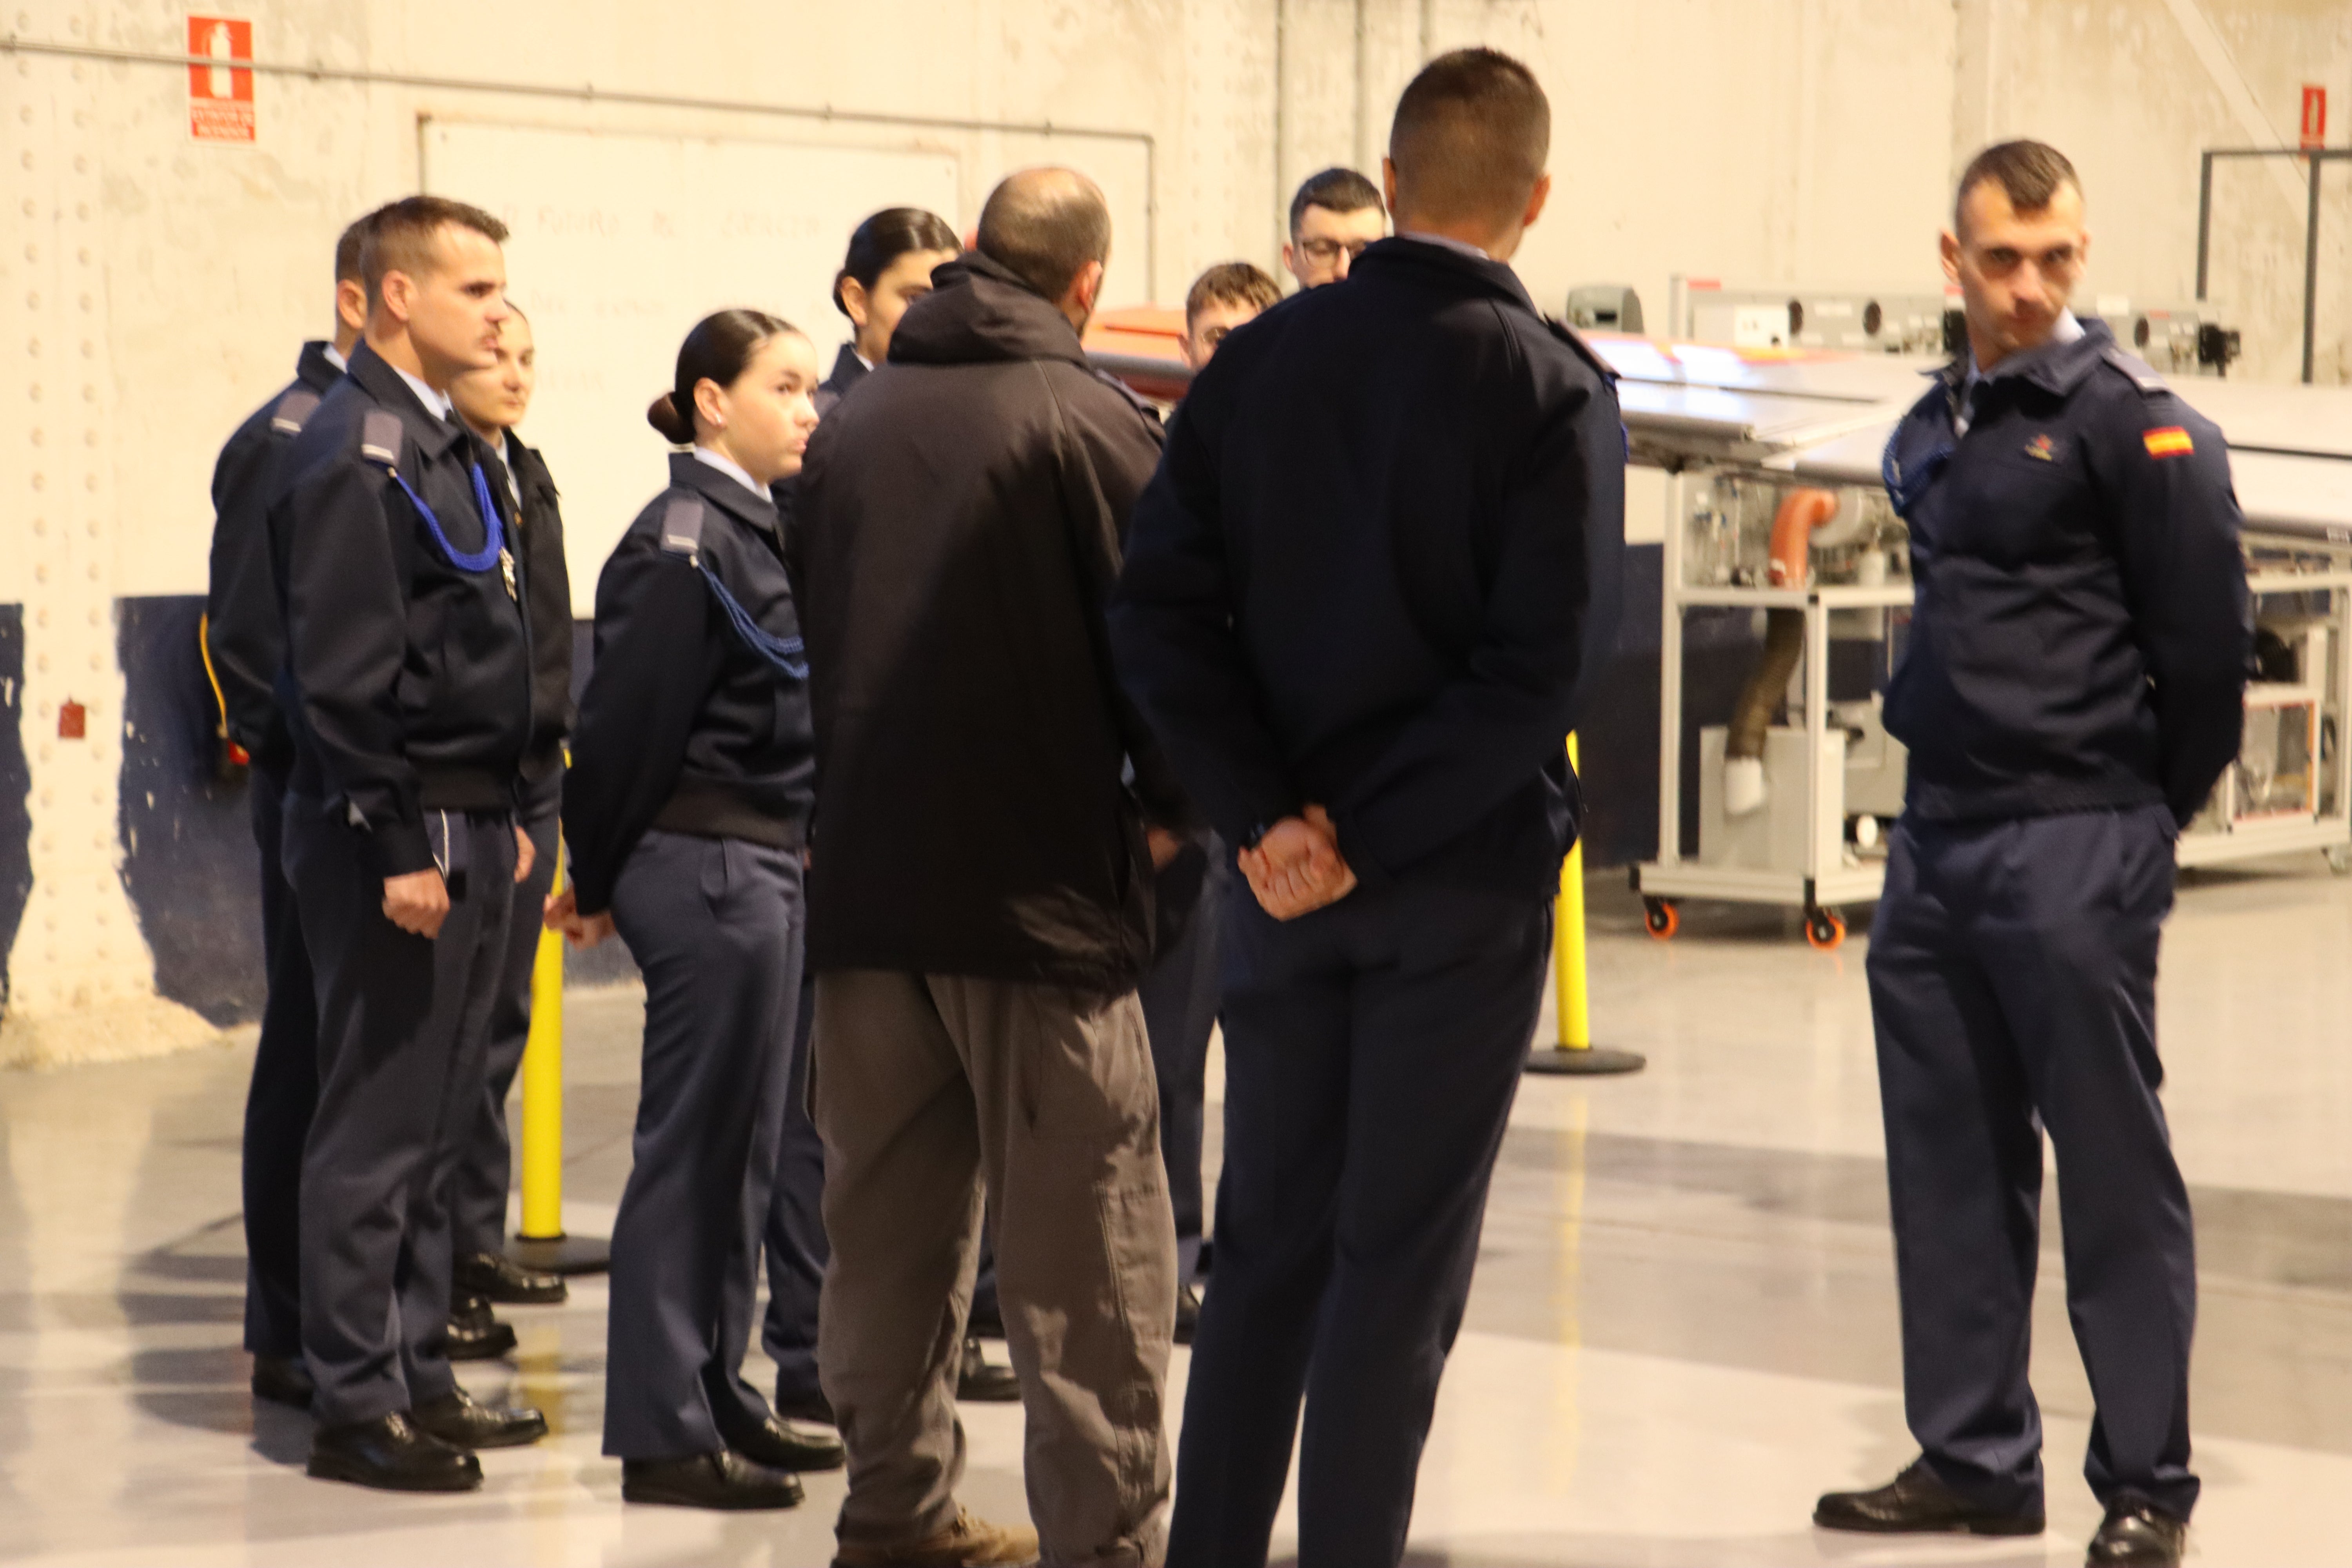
[
  {"x": 2137, "y": 371},
  {"x": 293, "y": 411},
  {"x": 379, "y": 432},
  {"x": 681, "y": 529}
]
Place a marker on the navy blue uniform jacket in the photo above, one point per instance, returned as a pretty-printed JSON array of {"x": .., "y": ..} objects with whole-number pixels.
[
  {"x": 408, "y": 679},
  {"x": 683, "y": 726},
  {"x": 247, "y": 637},
  {"x": 2081, "y": 637},
  {"x": 1378, "y": 567}
]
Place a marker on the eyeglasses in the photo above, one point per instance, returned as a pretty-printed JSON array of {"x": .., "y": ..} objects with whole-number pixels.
[{"x": 1323, "y": 252}]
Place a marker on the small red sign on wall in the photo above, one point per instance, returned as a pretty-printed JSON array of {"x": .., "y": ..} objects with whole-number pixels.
[
  {"x": 2314, "y": 118},
  {"x": 220, "y": 97}
]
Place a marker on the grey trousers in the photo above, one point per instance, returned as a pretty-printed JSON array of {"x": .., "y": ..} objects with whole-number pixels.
[{"x": 926, "y": 1085}]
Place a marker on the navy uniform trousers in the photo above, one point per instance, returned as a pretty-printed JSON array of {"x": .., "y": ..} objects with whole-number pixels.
[
  {"x": 402, "y": 1026},
  {"x": 717, "y": 926},
  {"x": 796, "y": 1246},
  {"x": 278, "y": 1103},
  {"x": 477, "y": 1194},
  {"x": 1372, "y": 1050},
  {"x": 2012, "y": 979}
]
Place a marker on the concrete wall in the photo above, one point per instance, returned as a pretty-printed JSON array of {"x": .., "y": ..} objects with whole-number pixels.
[{"x": 152, "y": 289}]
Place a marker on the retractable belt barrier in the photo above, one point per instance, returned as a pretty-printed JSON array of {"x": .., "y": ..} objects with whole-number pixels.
[
  {"x": 1575, "y": 1054},
  {"x": 539, "y": 1242}
]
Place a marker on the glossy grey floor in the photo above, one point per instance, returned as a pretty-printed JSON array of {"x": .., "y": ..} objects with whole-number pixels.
[{"x": 1683, "y": 1326}]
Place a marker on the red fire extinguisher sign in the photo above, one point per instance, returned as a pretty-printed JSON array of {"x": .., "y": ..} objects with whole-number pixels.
[
  {"x": 220, "y": 96},
  {"x": 2314, "y": 117}
]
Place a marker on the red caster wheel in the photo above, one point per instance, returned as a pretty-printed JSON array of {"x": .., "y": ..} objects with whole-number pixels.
[
  {"x": 1662, "y": 917},
  {"x": 1825, "y": 929}
]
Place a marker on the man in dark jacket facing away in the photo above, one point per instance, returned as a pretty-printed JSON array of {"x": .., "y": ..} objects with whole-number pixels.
[
  {"x": 1360, "y": 600},
  {"x": 981, "y": 905}
]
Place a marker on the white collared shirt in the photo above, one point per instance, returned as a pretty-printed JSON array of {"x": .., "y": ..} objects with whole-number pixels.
[
  {"x": 436, "y": 403},
  {"x": 1461, "y": 246},
  {"x": 335, "y": 357},
  {"x": 731, "y": 468}
]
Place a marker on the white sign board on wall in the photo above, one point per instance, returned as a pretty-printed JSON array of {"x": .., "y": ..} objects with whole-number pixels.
[{"x": 621, "y": 243}]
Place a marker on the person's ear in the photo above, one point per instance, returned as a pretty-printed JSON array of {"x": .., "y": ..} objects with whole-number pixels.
[
  {"x": 1535, "y": 200},
  {"x": 1190, "y": 348},
  {"x": 398, "y": 293},
  {"x": 855, "y": 302},
  {"x": 351, "y": 304},
  {"x": 1086, "y": 287},
  {"x": 1389, "y": 183},
  {"x": 1949, "y": 244},
  {"x": 710, "y": 403}
]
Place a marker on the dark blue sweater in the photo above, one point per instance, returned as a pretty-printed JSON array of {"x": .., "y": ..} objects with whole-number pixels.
[
  {"x": 1376, "y": 568},
  {"x": 2081, "y": 636}
]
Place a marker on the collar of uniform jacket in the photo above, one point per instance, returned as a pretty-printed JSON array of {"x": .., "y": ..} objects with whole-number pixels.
[
  {"x": 849, "y": 368},
  {"x": 723, "y": 491},
  {"x": 2057, "y": 367},
  {"x": 433, "y": 434},
  {"x": 979, "y": 311},
  {"x": 314, "y": 369},
  {"x": 1401, "y": 253}
]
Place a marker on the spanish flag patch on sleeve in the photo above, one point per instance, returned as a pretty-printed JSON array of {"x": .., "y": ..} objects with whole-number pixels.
[{"x": 2172, "y": 441}]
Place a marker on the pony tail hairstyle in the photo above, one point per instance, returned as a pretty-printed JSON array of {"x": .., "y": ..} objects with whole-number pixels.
[
  {"x": 886, "y": 237},
  {"x": 717, "y": 350}
]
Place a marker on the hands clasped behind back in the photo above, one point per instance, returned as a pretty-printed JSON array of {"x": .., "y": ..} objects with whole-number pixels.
[{"x": 1295, "y": 868}]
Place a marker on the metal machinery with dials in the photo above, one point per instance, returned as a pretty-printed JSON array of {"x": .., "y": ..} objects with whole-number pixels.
[
  {"x": 1795, "y": 789},
  {"x": 2178, "y": 338}
]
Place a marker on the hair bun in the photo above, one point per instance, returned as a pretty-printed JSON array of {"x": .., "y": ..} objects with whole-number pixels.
[{"x": 663, "y": 415}]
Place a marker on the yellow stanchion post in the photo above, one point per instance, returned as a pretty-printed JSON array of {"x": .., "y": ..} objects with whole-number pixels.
[
  {"x": 540, "y": 1243},
  {"x": 1575, "y": 1053}
]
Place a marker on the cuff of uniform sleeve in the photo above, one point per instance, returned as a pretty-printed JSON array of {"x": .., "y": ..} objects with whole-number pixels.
[{"x": 399, "y": 848}]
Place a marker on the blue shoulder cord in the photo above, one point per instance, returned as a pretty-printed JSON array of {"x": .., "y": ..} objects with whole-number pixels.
[
  {"x": 494, "y": 541},
  {"x": 682, "y": 535},
  {"x": 780, "y": 652}
]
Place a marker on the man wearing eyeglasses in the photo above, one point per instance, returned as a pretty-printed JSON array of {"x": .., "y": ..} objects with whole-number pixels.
[
  {"x": 1335, "y": 215},
  {"x": 2073, "y": 687}
]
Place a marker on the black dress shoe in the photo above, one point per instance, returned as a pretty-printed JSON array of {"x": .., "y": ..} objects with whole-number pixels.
[
  {"x": 282, "y": 1380},
  {"x": 813, "y": 1406},
  {"x": 498, "y": 1278},
  {"x": 981, "y": 1380},
  {"x": 474, "y": 1333},
  {"x": 457, "y": 1419},
  {"x": 1188, "y": 1314},
  {"x": 721, "y": 1481},
  {"x": 2139, "y": 1532},
  {"x": 1916, "y": 1502},
  {"x": 779, "y": 1448},
  {"x": 391, "y": 1454}
]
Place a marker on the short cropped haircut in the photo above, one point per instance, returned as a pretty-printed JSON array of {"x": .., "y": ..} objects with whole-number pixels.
[
  {"x": 1333, "y": 189},
  {"x": 1470, "y": 139},
  {"x": 400, "y": 236},
  {"x": 1230, "y": 283},
  {"x": 2029, "y": 173},
  {"x": 347, "y": 249},
  {"x": 1045, "y": 225}
]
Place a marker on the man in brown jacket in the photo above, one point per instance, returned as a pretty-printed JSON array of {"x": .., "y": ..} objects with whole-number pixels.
[{"x": 990, "y": 811}]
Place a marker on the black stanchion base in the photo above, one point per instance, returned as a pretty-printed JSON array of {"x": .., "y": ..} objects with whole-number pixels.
[
  {"x": 1593, "y": 1061},
  {"x": 562, "y": 1254}
]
